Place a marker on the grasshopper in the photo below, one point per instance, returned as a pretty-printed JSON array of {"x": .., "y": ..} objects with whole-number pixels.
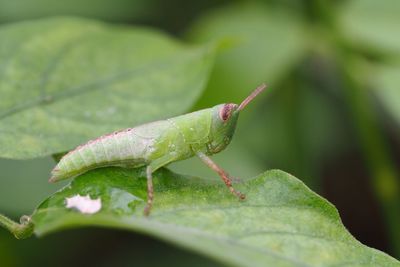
[{"x": 201, "y": 133}]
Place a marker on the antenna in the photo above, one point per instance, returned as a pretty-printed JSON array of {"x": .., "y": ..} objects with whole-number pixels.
[{"x": 253, "y": 94}]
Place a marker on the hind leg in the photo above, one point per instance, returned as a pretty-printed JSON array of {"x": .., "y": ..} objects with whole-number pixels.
[{"x": 225, "y": 177}]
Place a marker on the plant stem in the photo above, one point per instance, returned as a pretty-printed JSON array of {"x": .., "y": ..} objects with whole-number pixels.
[{"x": 19, "y": 230}]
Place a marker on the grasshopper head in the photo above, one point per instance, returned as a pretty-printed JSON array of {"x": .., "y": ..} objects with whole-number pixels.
[
  {"x": 224, "y": 121},
  {"x": 223, "y": 126}
]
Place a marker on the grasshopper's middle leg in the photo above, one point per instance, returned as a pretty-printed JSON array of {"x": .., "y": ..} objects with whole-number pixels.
[
  {"x": 150, "y": 191},
  {"x": 152, "y": 167},
  {"x": 225, "y": 177}
]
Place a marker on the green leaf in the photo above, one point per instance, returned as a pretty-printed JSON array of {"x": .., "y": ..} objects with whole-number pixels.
[
  {"x": 265, "y": 44},
  {"x": 372, "y": 23},
  {"x": 281, "y": 223},
  {"x": 65, "y": 80}
]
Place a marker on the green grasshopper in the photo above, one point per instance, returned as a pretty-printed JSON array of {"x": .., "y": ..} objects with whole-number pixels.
[{"x": 156, "y": 144}]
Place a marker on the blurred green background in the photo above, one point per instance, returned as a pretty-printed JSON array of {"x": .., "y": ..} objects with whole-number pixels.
[{"x": 331, "y": 115}]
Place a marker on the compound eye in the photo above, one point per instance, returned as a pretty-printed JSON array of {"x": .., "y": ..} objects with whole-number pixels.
[{"x": 226, "y": 112}]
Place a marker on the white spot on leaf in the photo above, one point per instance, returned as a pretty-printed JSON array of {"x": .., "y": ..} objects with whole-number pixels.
[{"x": 83, "y": 204}]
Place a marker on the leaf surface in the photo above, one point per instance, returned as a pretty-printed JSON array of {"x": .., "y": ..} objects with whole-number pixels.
[
  {"x": 66, "y": 80},
  {"x": 281, "y": 223}
]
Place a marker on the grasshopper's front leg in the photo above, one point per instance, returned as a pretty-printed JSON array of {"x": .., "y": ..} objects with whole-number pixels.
[{"x": 224, "y": 175}]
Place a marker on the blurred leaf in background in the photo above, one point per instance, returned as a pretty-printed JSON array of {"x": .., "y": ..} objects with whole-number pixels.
[
  {"x": 82, "y": 79},
  {"x": 371, "y": 24},
  {"x": 266, "y": 44}
]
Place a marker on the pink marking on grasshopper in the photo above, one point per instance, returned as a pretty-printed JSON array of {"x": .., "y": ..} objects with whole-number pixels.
[{"x": 97, "y": 140}]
